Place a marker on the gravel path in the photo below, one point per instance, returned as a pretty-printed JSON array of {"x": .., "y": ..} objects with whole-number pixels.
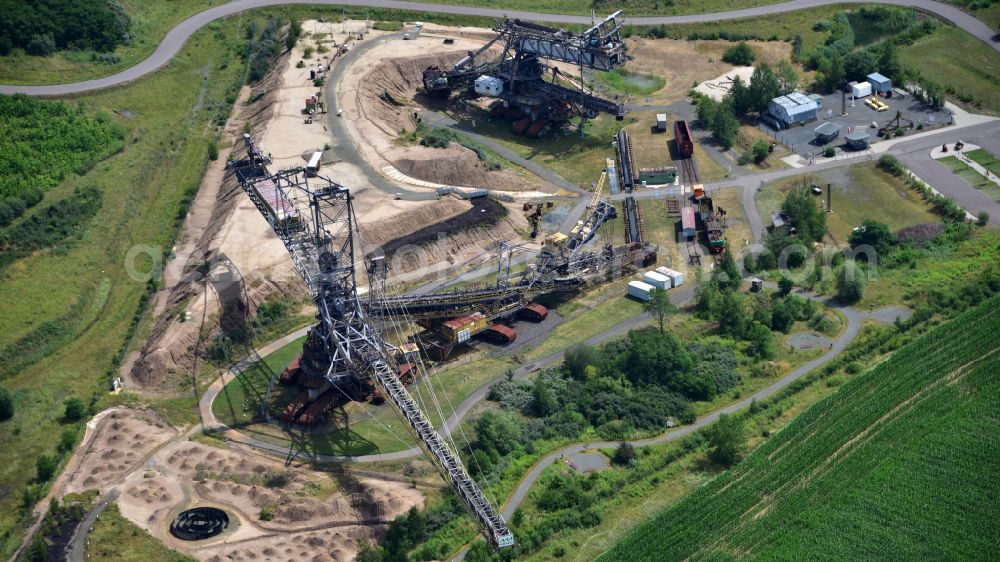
[{"x": 176, "y": 37}]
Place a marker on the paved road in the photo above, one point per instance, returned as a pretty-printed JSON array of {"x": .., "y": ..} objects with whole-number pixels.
[
  {"x": 343, "y": 143},
  {"x": 176, "y": 37},
  {"x": 915, "y": 155},
  {"x": 78, "y": 545}
]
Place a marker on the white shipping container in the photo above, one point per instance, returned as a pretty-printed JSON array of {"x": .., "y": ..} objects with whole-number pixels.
[
  {"x": 488, "y": 85},
  {"x": 639, "y": 290},
  {"x": 656, "y": 279},
  {"x": 861, "y": 90},
  {"x": 676, "y": 277}
]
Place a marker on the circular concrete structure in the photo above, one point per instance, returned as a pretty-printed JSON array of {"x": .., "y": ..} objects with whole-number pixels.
[{"x": 199, "y": 523}]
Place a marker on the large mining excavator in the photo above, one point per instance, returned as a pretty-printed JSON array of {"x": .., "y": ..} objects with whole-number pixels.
[{"x": 518, "y": 78}]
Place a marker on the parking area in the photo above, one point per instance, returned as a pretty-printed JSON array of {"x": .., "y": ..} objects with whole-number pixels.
[{"x": 860, "y": 117}]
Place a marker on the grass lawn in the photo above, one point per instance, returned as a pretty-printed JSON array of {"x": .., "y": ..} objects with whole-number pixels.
[
  {"x": 84, "y": 290},
  {"x": 971, "y": 176},
  {"x": 865, "y": 193},
  {"x": 985, "y": 159},
  {"x": 632, "y": 83},
  {"x": 899, "y": 434},
  {"x": 117, "y": 539},
  {"x": 958, "y": 60}
]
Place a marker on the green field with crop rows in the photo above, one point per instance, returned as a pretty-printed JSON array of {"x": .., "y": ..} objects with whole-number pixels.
[{"x": 900, "y": 464}]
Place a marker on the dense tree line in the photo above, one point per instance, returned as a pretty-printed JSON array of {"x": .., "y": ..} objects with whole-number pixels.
[
  {"x": 41, "y": 27},
  {"x": 41, "y": 142},
  {"x": 637, "y": 383}
]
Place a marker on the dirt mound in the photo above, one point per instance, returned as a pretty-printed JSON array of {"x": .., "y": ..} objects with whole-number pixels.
[
  {"x": 456, "y": 165},
  {"x": 205, "y": 272},
  {"x": 386, "y": 93}
]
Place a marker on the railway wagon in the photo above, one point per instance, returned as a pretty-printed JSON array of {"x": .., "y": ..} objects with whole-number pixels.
[{"x": 683, "y": 138}]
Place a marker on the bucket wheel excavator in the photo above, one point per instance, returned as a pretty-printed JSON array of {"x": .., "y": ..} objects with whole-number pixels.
[{"x": 518, "y": 79}]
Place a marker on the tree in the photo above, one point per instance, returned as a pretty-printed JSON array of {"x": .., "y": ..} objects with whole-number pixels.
[
  {"x": 788, "y": 78},
  {"x": 499, "y": 431},
  {"x": 6, "y": 404},
  {"x": 740, "y": 54},
  {"x": 784, "y": 312},
  {"x": 764, "y": 87},
  {"x": 785, "y": 285},
  {"x": 732, "y": 315},
  {"x": 624, "y": 454},
  {"x": 706, "y": 110},
  {"x": 760, "y": 150},
  {"x": 509, "y": 373},
  {"x": 73, "y": 409},
  {"x": 806, "y": 215},
  {"x": 888, "y": 61},
  {"x": 66, "y": 441},
  {"x": 726, "y": 440},
  {"x": 830, "y": 72},
  {"x": 727, "y": 275},
  {"x": 42, "y": 45},
  {"x": 654, "y": 358},
  {"x": 45, "y": 467},
  {"x": 660, "y": 307},
  {"x": 850, "y": 283},
  {"x": 578, "y": 357},
  {"x": 725, "y": 126},
  {"x": 543, "y": 400},
  {"x": 739, "y": 94},
  {"x": 875, "y": 234},
  {"x": 859, "y": 64},
  {"x": 761, "y": 340},
  {"x": 981, "y": 219}
]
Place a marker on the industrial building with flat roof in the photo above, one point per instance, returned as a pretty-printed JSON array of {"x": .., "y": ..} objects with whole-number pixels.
[{"x": 794, "y": 108}]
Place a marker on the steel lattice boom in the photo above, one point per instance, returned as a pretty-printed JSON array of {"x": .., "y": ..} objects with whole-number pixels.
[{"x": 314, "y": 218}]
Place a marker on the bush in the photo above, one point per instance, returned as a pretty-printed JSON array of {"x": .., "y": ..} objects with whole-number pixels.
[
  {"x": 45, "y": 467},
  {"x": 41, "y": 45},
  {"x": 66, "y": 441},
  {"x": 982, "y": 218},
  {"x": 891, "y": 164},
  {"x": 6, "y": 404},
  {"x": 830, "y": 152},
  {"x": 739, "y": 54},
  {"x": 73, "y": 409},
  {"x": 760, "y": 150},
  {"x": 213, "y": 151},
  {"x": 624, "y": 454},
  {"x": 850, "y": 283}
]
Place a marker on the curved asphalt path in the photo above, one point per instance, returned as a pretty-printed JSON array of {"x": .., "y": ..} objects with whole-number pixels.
[{"x": 176, "y": 37}]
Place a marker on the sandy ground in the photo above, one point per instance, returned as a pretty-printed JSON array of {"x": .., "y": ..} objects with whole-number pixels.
[
  {"x": 685, "y": 63},
  {"x": 123, "y": 441},
  {"x": 718, "y": 87},
  {"x": 315, "y": 516},
  {"x": 379, "y": 98}
]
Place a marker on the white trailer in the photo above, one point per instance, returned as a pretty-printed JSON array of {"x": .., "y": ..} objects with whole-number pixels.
[
  {"x": 676, "y": 277},
  {"x": 639, "y": 290},
  {"x": 315, "y": 161},
  {"x": 657, "y": 279}
]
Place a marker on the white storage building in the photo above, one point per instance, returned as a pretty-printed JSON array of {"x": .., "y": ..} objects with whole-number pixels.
[
  {"x": 657, "y": 279},
  {"x": 639, "y": 290},
  {"x": 794, "y": 108}
]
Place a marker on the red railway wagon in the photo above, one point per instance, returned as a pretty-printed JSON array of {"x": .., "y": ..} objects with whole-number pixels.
[{"x": 683, "y": 138}]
